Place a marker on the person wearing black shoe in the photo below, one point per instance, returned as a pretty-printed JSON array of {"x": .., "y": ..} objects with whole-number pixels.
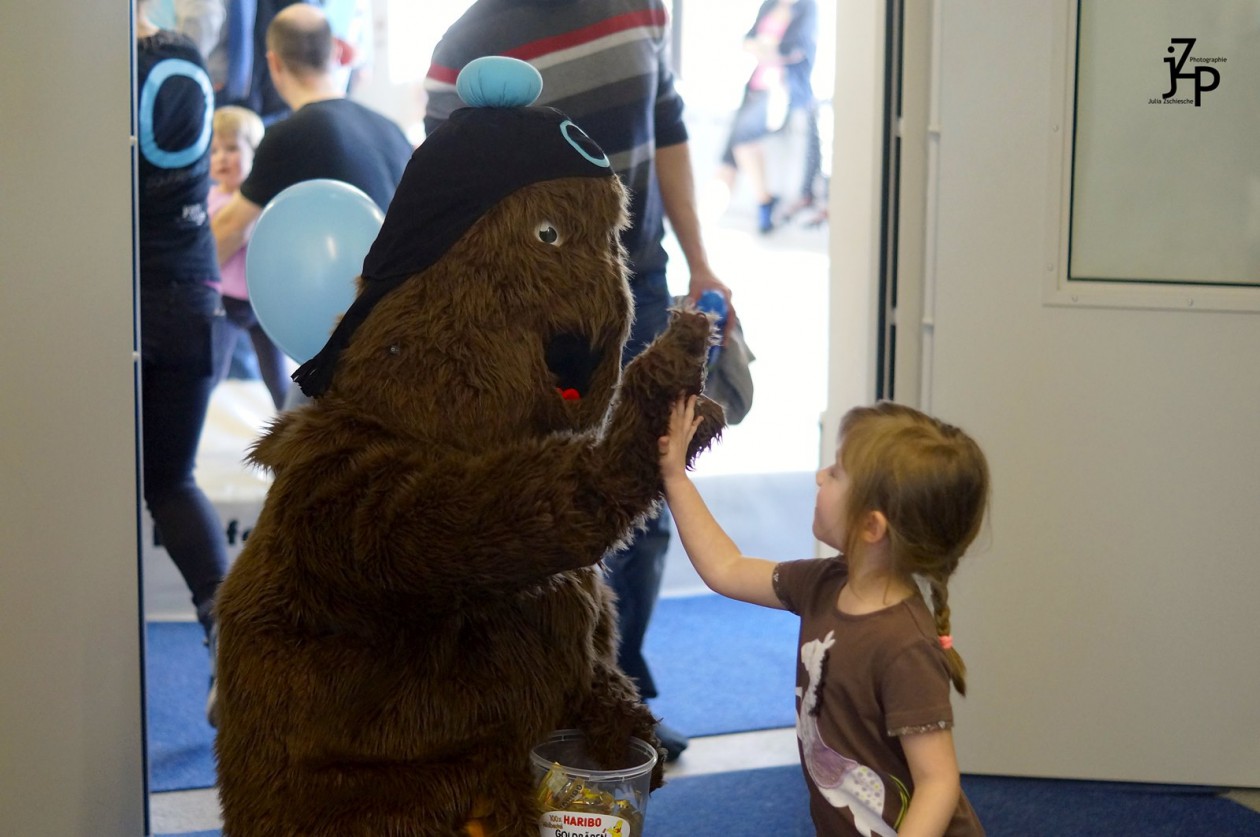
[
  {"x": 181, "y": 314},
  {"x": 784, "y": 40},
  {"x": 673, "y": 742}
]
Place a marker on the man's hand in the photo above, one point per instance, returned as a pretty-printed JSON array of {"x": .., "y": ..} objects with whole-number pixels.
[
  {"x": 233, "y": 224},
  {"x": 703, "y": 279}
]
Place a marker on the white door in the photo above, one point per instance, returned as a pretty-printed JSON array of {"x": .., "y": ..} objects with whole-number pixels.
[{"x": 1108, "y": 615}]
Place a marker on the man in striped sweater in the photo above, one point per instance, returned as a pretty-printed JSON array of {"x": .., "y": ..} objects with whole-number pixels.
[{"x": 606, "y": 64}]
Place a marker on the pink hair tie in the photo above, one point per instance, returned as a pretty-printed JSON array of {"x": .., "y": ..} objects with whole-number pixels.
[{"x": 947, "y": 641}]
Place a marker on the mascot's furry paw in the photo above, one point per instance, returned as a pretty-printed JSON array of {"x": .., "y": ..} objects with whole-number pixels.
[
  {"x": 615, "y": 714},
  {"x": 674, "y": 365},
  {"x": 710, "y": 430}
]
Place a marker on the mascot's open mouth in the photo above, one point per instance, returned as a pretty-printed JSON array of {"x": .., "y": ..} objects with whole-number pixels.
[{"x": 572, "y": 361}]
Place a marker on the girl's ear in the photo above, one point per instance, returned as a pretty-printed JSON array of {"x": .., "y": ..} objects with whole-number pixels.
[{"x": 874, "y": 527}]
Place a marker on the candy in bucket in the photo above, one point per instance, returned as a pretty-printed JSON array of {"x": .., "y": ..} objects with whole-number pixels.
[{"x": 580, "y": 798}]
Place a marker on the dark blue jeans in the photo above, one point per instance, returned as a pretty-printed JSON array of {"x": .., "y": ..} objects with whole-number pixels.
[
  {"x": 180, "y": 332},
  {"x": 241, "y": 321},
  {"x": 634, "y": 573}
]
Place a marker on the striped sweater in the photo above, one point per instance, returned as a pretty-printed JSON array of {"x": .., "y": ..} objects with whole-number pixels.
[{"x": 605, "y": 63}]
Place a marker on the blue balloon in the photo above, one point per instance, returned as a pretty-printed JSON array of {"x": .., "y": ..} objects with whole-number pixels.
[
  {"x": 497, "y": 81},
  {"x": 303, "y": 258}
]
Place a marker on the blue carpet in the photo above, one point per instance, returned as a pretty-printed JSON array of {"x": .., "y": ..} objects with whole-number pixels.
[
  {"x": 177, "y": 675},
  {"x": 773, "y": 801},
  {"x": 770, "y": 802},
  {"x": 722, "y": 666},
  {"x": 1054, "y": 807}
]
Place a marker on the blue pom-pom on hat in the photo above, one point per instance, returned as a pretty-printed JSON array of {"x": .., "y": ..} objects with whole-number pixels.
[{"x": 496, "y": 81}]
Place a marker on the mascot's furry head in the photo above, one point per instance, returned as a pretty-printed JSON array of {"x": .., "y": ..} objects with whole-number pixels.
[
  {"x": 420, "y": 602},
  {"x": 513, "y": 215}
]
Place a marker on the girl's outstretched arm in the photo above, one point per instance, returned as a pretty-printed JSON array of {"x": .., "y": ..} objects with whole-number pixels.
[
  {"x": 934, "y": 768},
  {"x": 715, "y": 556}
]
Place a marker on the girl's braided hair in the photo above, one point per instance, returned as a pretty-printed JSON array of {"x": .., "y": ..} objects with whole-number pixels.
[{"x": 931, "y": 481}]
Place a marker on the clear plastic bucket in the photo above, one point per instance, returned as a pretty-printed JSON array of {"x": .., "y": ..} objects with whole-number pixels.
[{"x": 581, "y": 798}]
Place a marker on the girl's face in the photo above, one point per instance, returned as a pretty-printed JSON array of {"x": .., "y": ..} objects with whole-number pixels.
[
  {"x": 830, "y": 504},
  {"x": 230, "y": 160}
]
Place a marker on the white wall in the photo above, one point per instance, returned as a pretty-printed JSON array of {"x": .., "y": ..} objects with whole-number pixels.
[
  {"x": 1109, "y": 619},
  {"x": 855, "y": 205},
  {"x": 70, "y": 735}
]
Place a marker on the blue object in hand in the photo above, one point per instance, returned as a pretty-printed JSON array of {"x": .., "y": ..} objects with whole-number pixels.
[{"x": 712, "y": 302}]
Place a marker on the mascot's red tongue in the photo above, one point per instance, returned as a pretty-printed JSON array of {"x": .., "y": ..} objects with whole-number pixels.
[{"x": 572, "y": 360}]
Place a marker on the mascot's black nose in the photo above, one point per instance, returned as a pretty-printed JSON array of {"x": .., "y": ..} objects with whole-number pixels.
[{"x": 572, "y": 360}]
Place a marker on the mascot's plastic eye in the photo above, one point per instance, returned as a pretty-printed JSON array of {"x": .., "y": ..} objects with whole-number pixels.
[{"x": 548, "y": 234}]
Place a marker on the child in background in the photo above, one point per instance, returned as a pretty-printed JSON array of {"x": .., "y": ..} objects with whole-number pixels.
[
  {"x": 237, "y": 132},
  {"x": 904, "y": 500}
]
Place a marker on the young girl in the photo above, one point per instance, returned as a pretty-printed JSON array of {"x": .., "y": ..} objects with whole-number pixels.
[
  {"x": 904, "y": 499},
  {"x": 237, "y": 132}
]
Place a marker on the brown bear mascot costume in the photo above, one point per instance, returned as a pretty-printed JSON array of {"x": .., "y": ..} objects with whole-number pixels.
[{"x": 420, "y": 602}]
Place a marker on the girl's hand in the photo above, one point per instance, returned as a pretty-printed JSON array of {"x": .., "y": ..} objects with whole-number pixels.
[{"x": 683, "y": 423}]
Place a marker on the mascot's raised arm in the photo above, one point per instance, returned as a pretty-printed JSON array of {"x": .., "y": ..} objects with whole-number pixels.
[{"x": 420, "y": 602}]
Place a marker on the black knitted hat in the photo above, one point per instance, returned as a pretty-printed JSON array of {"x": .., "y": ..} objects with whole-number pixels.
[{"x": 482, "y": 154}]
